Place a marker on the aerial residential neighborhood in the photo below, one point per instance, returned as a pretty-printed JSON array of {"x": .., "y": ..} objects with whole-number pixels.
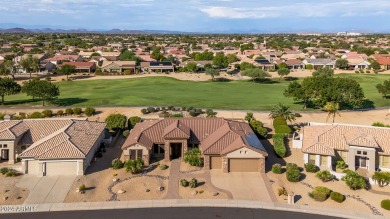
[{"x": 239, "y": 113}]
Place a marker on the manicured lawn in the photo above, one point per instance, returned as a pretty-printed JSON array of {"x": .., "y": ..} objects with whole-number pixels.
[{"x": 161, "y": 91}]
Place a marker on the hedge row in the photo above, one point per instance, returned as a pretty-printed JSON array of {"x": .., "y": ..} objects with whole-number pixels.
[
  {"x": 259, "y": 128},
  {"x": 280, "y": 126},
  {"x": 279, "y": 146}
]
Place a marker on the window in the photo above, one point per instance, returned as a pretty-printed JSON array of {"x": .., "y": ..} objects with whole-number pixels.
[
  {"x": 312, "y": 158},
  {"x": 359, "y": 152},
  {"x": 158, "y": 149},
  {"x": 364, "y": 152},
  {"x": 5, "y": 146},
  {"x": 384, "y": 161},
  {"x": 135, "y": 154}
]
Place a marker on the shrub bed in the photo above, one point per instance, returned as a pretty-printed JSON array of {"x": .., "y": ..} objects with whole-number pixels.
[
  {"x": 279, "y": 146},
  {"x": 47, "y": 113},
  {"x": 324, "y": 175},
  {"x": 89, "y": 111}
]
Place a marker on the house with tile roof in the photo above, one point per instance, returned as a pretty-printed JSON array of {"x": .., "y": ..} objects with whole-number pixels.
[
  {"x": 51, "y": 146},
  {"x": 361, "y": 147},
  {"x": 228, "y": 145},
  {"x": 118, "y": 66}
]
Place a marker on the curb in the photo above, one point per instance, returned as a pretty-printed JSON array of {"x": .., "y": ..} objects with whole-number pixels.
[{"x": 172, "y": 203}]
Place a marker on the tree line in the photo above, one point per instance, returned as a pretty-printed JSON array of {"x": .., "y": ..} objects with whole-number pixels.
[{"x": 38, "y": 89}]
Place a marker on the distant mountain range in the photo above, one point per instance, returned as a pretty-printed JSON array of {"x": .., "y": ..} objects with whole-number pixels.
[{"x": 113, "y": 31}]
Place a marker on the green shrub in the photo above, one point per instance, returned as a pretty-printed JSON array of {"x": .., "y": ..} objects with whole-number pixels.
[
  {"x": 258, "y": 127},
  {"x": 293, "y": 175},
  {"x": 353, "y": 180},
  {"x": 11, "y": 173},
  {"x": 282, "y": 191},
  {"x": 126, "y": 133},
  {"x": 151, "y": 109},
  {"x": 279, "y": 121},
  {"x": 4, "y": 170},
  {"x": 190, "y": 108},
  {"x": 82, "y": 188},
  {"x": 134, "y": 166},
  {"x": 163, "y": 166},
  {"x": 117, "y": 164},
  {"x": 193, "y": 113},
  {"x": 193, "y": 157},
  {"x": 382, "y": 178},
  {"x": 277, "y": 168},
  {"x": 282, "y": 129},
  {"x": 35, "y": 115},
  {"x": 380, "y": 124},
  {"x": 324, "y": 175},
  {"x": 69, "y": 111},
  {"x": 290, "y": 166},
  {"x": 133, "y": 121},
  {"x": 340, "y": 164},
  {"x": 60, "y": 113},
  {"x": 311, "y": 168},
  {"x": 2, "y": 116},
  {"x": 77, "y": 111},
  {"x": 193, "y": 183},
  {"x": 320, "y": 193},
  {"x": 385, "y": 204},
  {"x": 337, "y": 197},
  {"x": 89, "y": 111},
  {"x": 47, "y": 113},
  {"x": 144, "y": 111},
  {"x": 279, "y": 146},
  {"x": 184, "y": 182}
]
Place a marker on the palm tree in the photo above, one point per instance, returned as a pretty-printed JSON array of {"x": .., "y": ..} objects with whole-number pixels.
[
  {"x": 282, "y": 110},
  {"x": 332, "y": 108}
]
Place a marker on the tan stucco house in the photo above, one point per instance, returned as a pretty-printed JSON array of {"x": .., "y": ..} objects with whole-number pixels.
[
  {"x": 228, "y": 145},
  {"x": 51, "y": 146},
  {"x": 364, "y": 147}
]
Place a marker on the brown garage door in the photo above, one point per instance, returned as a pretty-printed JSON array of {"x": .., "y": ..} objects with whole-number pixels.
[
  {"x": 243, "y": 165},
  {"x": 215, "y": 162}
]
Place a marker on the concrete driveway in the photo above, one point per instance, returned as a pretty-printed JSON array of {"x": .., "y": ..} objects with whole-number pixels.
[
  {"x": 47, "y": 189},
  {"x": 244, "y": 186}
]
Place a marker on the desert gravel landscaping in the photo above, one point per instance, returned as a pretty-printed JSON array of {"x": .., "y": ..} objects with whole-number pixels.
[
  {"x": 301, "y": 189},
  {"x": 201, "y": 191},
  {"x": 9, "y": 193}
]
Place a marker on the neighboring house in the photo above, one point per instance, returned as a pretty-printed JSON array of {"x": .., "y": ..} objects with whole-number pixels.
[
  {"x": 59, "y": 59},
  {"x": 157, "y": 66},
  {"x": 295, "y": 64},
  {"x": 264, "y": 64},
  {"x": 254, "y": 52},
  {"x": 358, "y": 63},
  {"x": 320, "y": 63},
  {"x": 292, "y": 54},
  {"x": 384, "y": 62},
  {"x": 354, "y": 55},
  {"x": 81, "y": 66},
  {"x": 51, "y": 146},
  {"x": 227, "y": 145},
  {"x": 118, "y": 66},
  {"x": 364, "y": 147}
]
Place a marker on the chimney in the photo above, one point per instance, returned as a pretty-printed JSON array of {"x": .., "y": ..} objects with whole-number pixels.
[{"x": 8, "y": 117}]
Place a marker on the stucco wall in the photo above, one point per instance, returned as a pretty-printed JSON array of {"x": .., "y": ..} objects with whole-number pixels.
[{"x": 244, "y": 153}]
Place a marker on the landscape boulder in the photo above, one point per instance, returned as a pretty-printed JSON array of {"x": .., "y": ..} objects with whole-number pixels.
[{"x": 120, "y": 191}]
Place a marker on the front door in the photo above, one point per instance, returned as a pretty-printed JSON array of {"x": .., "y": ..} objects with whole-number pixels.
[
  {"x": 4, "y": 154},
  {"x": 361, "y": 162},
  {"x": 175, "y": 150}
]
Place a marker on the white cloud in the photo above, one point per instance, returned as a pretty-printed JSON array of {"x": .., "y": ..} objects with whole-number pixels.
[{"x": 312, "y": 9}]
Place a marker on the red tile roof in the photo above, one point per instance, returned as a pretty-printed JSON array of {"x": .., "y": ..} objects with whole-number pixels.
[{"x": 215, "y": 135}]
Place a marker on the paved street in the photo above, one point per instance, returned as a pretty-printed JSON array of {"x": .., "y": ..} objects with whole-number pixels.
[
  {"x": 243, "y": 186},
  {"x": 171, "y": 213},
  {"x": 48, "y": 189}
]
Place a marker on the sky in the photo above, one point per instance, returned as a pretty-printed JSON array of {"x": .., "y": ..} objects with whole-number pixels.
[{"x": 200, "y": 15}]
